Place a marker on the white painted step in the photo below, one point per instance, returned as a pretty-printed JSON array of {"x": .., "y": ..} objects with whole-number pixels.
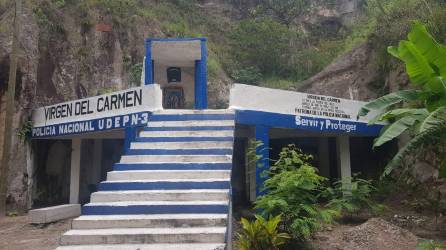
[
  {"x": 144, "y": 236},
  {"x": 176, "y": 158},
  {"x": 153, "y": 203},
  {"x": 171, "y": 180},
  {"x": 204, "y": 133},
  {"x": 161, "y": 195},
  {"x": 183, "y": 246},
  {"x": 167, "y": 174},
  {"x": 183, "y": 145},
  {"x": 149, "y": 221},
  {"x": 191, "y": 123},
  {"x": 193, "y": 111}
]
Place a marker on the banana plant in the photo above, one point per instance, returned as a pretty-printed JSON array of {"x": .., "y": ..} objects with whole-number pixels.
[{"x": 421, "y": 110}]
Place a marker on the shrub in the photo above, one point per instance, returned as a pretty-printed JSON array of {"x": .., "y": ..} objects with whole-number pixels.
[
  {"x": 135, "y": 74},
  {"x": 294, "y": 190},
  {"x": 249, "y": 75},
  {"x": 352, "y": 195},
  {"x": 261, "y": 234},
  {"x": 263, "y": 43}
]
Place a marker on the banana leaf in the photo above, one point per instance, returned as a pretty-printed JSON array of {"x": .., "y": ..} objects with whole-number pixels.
[
  {"x": 388, "y": 100},
  {"x": 434, "y": 119},
  {"x": 434, "y": 52},
  {"x": 396, "y": 128}
]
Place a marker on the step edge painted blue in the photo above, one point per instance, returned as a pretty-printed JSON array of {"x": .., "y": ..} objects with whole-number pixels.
[
  {"x": 191, "y": 117},
  {"x": 183, "y": 139},
  {"x": 190, "y": 128},
  {"x": 164, "y": 185},
  {"x": 210, "y": 151},
  {"x": 171, "y": 166},
  {"x": 153, "y": 209}
]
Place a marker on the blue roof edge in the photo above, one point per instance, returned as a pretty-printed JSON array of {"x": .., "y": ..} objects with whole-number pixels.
[{"x": 176, "y": 39}]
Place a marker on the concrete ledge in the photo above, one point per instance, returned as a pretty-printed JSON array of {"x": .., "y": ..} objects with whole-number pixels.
[{"x": 51, "y": 214}]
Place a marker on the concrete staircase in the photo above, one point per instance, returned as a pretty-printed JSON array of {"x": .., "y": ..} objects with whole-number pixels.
[{"x": 171, "y": 190}]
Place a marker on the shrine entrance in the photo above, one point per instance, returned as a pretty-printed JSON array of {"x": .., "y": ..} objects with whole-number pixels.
[{"x": 179, "y": 67}]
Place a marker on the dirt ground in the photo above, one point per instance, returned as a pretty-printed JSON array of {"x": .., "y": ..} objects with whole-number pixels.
[
  {"x": 17, "y": 234},
  {"x": 376, "y": 234},
  {"x": 397, "y": 229}
]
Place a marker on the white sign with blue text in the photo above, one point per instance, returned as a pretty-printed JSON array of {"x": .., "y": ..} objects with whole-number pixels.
[
  {"x": 115, "y": 110},
  {"x": 289, "y": 109}
]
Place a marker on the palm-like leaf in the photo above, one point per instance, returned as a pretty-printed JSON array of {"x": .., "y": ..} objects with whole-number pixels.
[
  {"x": 396, "y": 128},
  {"x": 389, "y": 100},
  {"x": 434, "y": 52},
  {"x": 425, "y": 61},
  {"x": 429, "y": 136},
  {"x": 436, "y": 118}
]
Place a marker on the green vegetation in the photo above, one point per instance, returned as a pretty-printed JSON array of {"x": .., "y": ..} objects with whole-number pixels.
[
  {"x": 424, "y": 108},
  {"x": 24, "y": 132},
  {"x": 261, "y": 234},
  {"x": 353, "y": 195},
  {"x": 304, "y": 199},
  {"x": 249, "y": 75},
  {"x": 294, "y": 189},
  {"x": 272, "y": 44},
  {"x": 430, "y": 245}
]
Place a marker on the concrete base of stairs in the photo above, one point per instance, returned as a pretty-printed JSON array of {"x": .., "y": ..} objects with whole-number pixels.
[{"x": 55, "y": 213}]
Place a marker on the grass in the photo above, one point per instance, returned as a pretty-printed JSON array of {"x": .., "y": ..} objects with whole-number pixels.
[{"x": 277, "y": 83}]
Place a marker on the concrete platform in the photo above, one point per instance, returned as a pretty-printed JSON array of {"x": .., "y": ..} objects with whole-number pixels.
[
  {"x": 55, "y": 213},
  {"x": 144, "y": 236},
  {"x": 180, "y": 145},
  {"x": 205, "y": 133},
  {"x": 190, "y": 246},
  {"x": 161, "y": 195},
  {"x": 191, "y": 123},
  {"x": 176, "y": 158},
  {"x": 167, "y": 174},
  {"x": 149, "y": 221}
]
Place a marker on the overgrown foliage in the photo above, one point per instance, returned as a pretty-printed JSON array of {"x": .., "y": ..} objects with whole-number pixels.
[
  {"x": 261, "y": 234},
  {"x": 294, "y": 189},
  {"x": 261, "y": 43},
  {"x": 353, "y": 195},
  {"x": 424, "y": 110}
]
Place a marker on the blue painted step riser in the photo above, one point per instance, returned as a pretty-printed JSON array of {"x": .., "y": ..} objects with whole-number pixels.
[
  {"x": 198, "y": 128},
  {"x": 173, "y": 166},
  {"x": 217, "y": 151},
  {"x": 182, "y": 139},
  {"x": 162, "y": 185},
  {"x": 154, "y": 209},
  {"x": 190, "y": 117}
]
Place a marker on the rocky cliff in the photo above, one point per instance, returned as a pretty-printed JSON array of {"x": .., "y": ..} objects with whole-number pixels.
[{"x": 71, "y": 50}]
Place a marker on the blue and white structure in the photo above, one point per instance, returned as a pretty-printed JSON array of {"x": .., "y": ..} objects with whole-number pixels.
[{"x": 162, "y": 169}]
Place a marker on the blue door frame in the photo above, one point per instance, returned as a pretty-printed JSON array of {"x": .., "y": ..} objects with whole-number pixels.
[{"x": 200, "y": 69}]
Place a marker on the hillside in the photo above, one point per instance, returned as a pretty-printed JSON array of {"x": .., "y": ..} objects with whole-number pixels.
[{"x": 73, "y": 49}]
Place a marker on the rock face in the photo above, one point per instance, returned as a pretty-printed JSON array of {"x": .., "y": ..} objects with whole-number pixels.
[
  {"x": 65, "y": 56},
  {"x": 353, "y": 75}
]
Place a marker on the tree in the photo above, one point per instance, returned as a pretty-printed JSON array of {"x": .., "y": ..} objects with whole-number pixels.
[
  {"x": 4, "y": 166},
  {"x": 424, "y": 108},
  {"x": 285, "y": 11},
  {"x": 261, "y": 43}
]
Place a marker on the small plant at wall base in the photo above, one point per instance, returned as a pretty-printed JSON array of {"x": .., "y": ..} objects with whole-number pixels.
[
  {"x": 261, "y": 234},
  {"x": 25, "y": 130},
  {"x": 353, "y": 195},
  {"x": 249, "y": 75},
  {"x": 424, "y": 110},
  {"x": 294, "y": 189}
]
